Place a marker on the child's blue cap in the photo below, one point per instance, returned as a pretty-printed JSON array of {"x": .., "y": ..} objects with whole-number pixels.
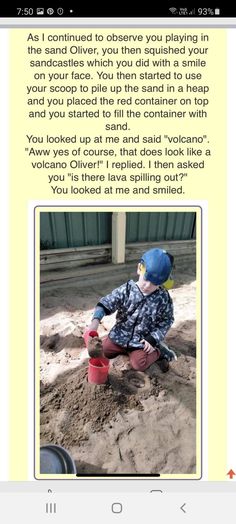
[{"x": 158, "y": 265}]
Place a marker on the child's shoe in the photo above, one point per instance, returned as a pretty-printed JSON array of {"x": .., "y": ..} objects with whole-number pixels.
[{"x": 166, "y": 356}]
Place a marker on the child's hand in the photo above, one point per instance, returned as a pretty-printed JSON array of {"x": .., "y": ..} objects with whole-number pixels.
[
  {"x": 93, "y": 343},
  {"x": 88, "y": 334},
  {"x": 93, "y": 326},
  {"x": 148, "y": 348}
]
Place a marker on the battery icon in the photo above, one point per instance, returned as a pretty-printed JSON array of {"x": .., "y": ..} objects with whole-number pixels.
[{"x": 217, "y": 11}]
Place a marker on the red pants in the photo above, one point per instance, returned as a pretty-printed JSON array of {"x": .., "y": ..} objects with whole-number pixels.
[{"x": 139, "y": 359}]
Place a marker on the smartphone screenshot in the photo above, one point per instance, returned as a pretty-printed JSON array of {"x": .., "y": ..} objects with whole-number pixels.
[{"x": 117, "y": 396}]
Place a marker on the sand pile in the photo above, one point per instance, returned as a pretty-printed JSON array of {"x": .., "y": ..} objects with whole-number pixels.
[{"x": 86, "y": 407}]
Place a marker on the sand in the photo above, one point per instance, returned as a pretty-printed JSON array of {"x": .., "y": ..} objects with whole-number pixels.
[{"x": 138, "y": 422}]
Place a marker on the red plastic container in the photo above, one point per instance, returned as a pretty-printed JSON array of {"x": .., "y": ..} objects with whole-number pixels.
[{"x": 98, "y": 370}]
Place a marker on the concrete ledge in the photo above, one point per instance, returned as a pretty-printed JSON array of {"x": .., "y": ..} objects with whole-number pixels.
[
  {"x": 59, "y": 259},
  {"x": 184, "y": 251},
  {"x": 83, "y": 264}
]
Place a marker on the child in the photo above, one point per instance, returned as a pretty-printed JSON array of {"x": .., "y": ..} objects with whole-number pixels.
[{"x": 144, "y": 314}]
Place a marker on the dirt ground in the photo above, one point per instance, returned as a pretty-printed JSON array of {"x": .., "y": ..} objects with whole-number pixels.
[{"x": 136, "y": 423}]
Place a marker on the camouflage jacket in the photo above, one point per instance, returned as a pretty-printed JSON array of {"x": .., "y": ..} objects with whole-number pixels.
[{"x": 138, "y": 316}]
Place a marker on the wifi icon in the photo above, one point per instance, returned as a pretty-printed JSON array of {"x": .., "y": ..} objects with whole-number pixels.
[{"x": 173, "y": 10}]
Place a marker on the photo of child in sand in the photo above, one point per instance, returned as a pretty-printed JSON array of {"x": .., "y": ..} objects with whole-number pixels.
[{"x": 118, "y": 346}]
